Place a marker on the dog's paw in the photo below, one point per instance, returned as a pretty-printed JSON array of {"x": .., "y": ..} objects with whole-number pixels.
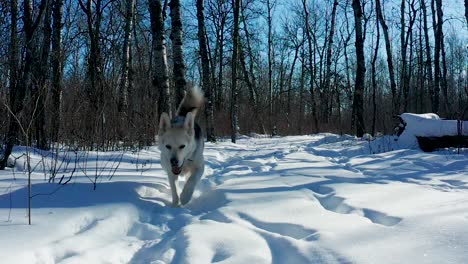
[
  {"x": 175, "y": 203},
  {"x": 184, "y": 199}
]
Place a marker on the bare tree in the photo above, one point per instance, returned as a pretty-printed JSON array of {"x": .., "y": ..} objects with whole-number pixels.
[
  {"x": 360, "y": 70},
  {"x": 249, "y": 76},
  {"x": 388, "y": 48},
  {"x": 16, "y": 94},
  {"x": 206, "y": 79},
  {"x": 374, "y": 81},
  {"x": 311, "y": 67},
  {"x": 428, "y": 51},
  {"x": 437, "y": 26},
  {"x": 439, "y": 37},
  {"x": 177, "y": 51},
  {"x": 270, "y": 6},
  {"x": 125, "y": 80},
  {"x": 326, "y": 88},
  {"x": 95, "y": 91},
  {"x": 18, "y": 91},
  {"x": 160, "y": 72},
  {"x": 57, "y": 68},
  {"x": 234, "y": 91},
  {"x": 39, "y": 90}
]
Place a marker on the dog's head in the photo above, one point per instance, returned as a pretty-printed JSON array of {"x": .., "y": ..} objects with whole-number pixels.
[{"x": 176, "y": 140}]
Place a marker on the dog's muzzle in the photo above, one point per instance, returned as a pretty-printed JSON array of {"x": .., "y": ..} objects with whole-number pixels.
[
  {"x": 175, "y": 166},
  {"x": 176, "y": 170}
]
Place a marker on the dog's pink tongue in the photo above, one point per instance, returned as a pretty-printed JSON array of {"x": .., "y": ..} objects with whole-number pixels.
[{"x": 176, "y": 170}]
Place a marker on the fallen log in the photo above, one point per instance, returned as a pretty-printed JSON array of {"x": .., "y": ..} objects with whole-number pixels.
[{"x": 428, "y": 132}]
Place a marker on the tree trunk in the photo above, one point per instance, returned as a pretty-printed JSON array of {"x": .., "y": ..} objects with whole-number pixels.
[
  {"x": 270, "y": 63},
  {"x": 360, "y": 70},
  {"x": 251, "y": 81},
  {"x": 39, "y": 89},
  {"x": 301, "y": 90},
  {"x": 253, "y": 94},
  {"x": 440, "y": 38},
  {"x": 428, "y": 52},
  {"x": 57, "y": 69},
  {"x": 17, "y": 91},
  {"x": 178, "y": 71},
  {"x": 290, "y": 86},
  {"x": 326, "y": 88},
  {"x": 234, "y": 92},
  {"x": 220, "y": 42},
  {"x": 403, "y": 52},
  {"x": 311, "y": 66},
  {"x": 160, "y": 72},
  {"x": 388, "y": 47},
  {"x": 95, "y": 91},
  {"x": 124, "y": 79},
  {"x": 374, "y": 82},
  {"x": 466, "y": 11},
  {"x": 206, "y": 80},
  {"x": 406, "y": 76},
  {"x": 437, "y": 25},
  {"x": 20, "y": 86}
]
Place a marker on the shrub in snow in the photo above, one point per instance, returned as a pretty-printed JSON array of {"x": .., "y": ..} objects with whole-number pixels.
[{"x": 367, "y": 137}]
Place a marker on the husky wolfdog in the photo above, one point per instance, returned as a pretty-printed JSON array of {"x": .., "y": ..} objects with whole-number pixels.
[{"x": 181, "y": 144}]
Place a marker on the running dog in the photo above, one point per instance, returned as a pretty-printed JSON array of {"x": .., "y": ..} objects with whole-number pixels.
[{"x": 181, "y": 144}]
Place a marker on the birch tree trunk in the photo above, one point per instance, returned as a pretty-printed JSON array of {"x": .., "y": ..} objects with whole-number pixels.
[
  {"x": 124, "y": 79},
  {"x": 177, "y": 52},
  {"x": 160, "y": 72}
]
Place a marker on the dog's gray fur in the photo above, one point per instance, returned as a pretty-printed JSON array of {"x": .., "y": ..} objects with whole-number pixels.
[{"x": 181, "y": 144}]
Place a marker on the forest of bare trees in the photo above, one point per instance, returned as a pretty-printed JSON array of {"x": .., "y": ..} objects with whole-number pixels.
[{"x": 96, "y": 74}]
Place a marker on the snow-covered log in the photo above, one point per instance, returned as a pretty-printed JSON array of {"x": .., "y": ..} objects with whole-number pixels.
[{"x": 429, "y": 127}]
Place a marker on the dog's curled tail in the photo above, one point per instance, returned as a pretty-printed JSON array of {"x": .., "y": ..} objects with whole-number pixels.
[{"x": 193, "y": 100}]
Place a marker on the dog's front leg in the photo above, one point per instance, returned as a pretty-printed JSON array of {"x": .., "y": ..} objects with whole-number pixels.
[
  {"x": 175, "y": 197},
  {"x": 190, "y": 185}
]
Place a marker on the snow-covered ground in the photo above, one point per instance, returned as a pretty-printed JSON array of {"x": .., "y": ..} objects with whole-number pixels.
[{"x": 303, "y": 199}]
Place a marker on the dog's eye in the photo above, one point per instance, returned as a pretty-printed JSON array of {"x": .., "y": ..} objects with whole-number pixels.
[
  {"x": 182, "y": 146},
  {"x": 168, "y": 147}
]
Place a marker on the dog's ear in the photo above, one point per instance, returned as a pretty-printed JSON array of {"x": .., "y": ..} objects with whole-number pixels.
[
  {"x": 189, "y": 124},
  {"x": 164, "y": 123}
]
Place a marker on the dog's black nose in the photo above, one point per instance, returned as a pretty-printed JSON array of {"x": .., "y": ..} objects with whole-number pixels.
[{"x": 174, "y": 162}]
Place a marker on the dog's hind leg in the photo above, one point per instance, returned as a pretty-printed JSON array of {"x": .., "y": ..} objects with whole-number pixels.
[
  {"x": 189, "y": 187},
  {"x": 175, "y": 197}
]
